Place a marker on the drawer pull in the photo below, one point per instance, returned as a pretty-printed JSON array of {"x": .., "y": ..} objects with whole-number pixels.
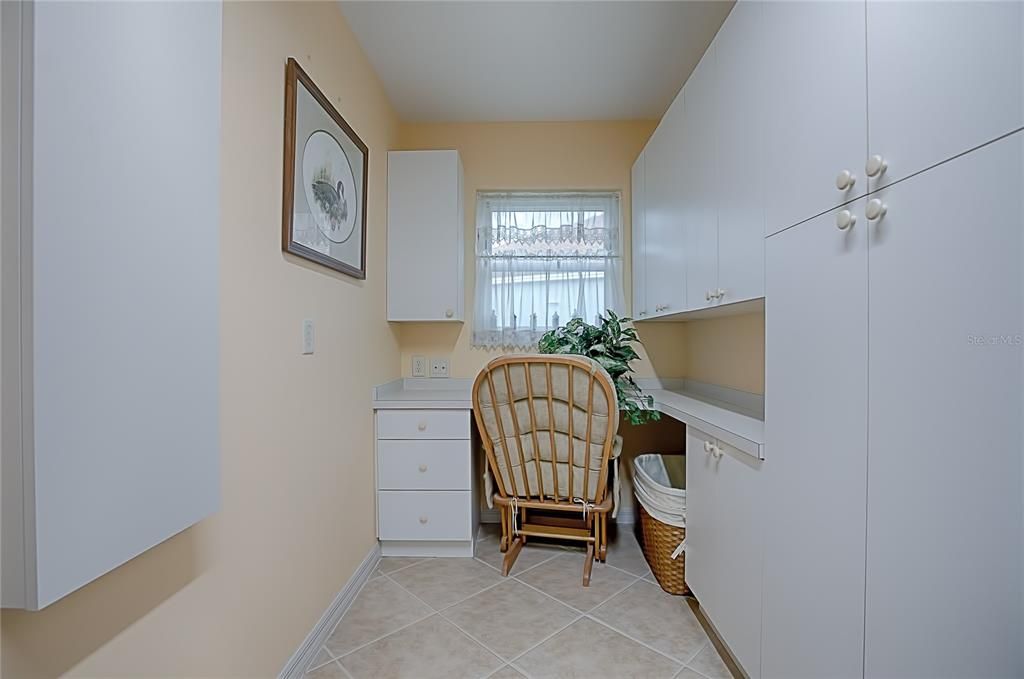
[
  {"x": 424, "y": 519},
  {"x": 708, "y": 446},
  {"x": 422, "y": 426},
  {"x": 423, "y": 468}
]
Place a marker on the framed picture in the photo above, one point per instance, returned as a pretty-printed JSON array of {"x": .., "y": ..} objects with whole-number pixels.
[{"x": 325, "y": 163}]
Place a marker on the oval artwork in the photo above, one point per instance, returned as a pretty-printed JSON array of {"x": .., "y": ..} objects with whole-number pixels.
[{"x": 330, "y": 187}]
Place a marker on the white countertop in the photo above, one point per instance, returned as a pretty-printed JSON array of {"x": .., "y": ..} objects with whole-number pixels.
[{"x": 735, "y": 417}]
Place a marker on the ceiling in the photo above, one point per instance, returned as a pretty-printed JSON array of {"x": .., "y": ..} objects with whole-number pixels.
[{"x": 524, "y": 61}]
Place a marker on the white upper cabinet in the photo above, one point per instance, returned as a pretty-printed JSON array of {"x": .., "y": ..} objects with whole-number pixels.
[
  {"x": 697, "y": 187},
  {"x": 425, "y": 236},
  {"x": 738, "y": 112},
  {"x": 665, "y": 267},
  {"x": 943, "y": 78},
  {"x": 943, "y": 503},
  {"x": 814, "y": 112},
  {"x": 639, "y": 240}
]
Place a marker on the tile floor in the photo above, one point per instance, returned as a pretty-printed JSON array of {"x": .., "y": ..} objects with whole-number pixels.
[{"x": 447, "y": 618}]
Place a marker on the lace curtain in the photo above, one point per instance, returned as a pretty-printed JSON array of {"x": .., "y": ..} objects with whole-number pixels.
[{"x": 541, "y": 259}]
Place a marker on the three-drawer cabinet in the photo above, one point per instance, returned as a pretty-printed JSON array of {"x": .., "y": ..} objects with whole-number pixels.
[{"x": 426, "y": 505}]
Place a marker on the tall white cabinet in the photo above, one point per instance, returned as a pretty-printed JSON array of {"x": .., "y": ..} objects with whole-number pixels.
[
  {"x": 426, "y": 228},
  {"x": 111, "y": 181}
]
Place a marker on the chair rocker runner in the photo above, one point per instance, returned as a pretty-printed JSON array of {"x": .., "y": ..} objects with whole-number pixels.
[{"x": 548, "y": 424}]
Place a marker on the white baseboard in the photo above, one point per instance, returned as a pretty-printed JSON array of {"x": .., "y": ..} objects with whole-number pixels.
[{"x": 307, "y": 651}]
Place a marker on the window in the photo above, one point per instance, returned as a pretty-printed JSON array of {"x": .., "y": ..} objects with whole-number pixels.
[{"x": 541, "y": 259}]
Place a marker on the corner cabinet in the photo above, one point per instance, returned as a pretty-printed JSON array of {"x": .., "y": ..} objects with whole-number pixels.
[{"x": 426, "y": 227}]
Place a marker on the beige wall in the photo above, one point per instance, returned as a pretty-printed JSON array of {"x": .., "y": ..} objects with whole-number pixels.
[
  {"x": 539, "y": 156},
  {"x": 235, "y": 595},
  {"x": 728, "y": 351}
]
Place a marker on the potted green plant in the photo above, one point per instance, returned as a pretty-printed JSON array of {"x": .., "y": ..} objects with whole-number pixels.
[{"x": 611, "y": 345}]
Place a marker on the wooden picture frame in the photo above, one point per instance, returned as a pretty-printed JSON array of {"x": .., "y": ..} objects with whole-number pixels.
[{"x": 325, "y": 180}]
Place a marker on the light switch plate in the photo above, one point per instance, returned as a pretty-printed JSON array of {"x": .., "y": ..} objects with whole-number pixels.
[
  {"x": 419, "y": 366},
  {"x": 439, "y": 367},
  {"x": 307, "y": 336}
]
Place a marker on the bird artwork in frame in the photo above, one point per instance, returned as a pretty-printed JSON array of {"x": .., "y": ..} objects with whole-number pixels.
[{"x": 325, "y": 178}]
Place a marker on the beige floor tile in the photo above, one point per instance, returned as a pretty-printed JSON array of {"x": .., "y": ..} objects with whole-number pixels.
[
  {"x": 510, "y": 618},
  {"x": 430, "y": 649},
  {"x": 624, "y": 552},
  {"x": 529, "y": 556},
  {"x": 488, "y": 531},
  {"x": 589, "y": 649},
  {"x": 562, "y": 578},
  {"x": 443, "y": 582},
  {"x": 710, "y": 664},
  {"x": 507, "y": 672},
  {"x": 389, "y": 564},
  {"x": 657, "y": 618},
  {"x": 331, "y": 670},
  {"x": 381, "y": 608}
]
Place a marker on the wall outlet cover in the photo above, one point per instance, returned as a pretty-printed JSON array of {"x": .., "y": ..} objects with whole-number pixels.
[
  {"x": 419, "y": 366},
  {"x": 439, "y": 367}
]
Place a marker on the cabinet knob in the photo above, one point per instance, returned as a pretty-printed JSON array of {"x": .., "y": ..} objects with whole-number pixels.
[
  {"x": 875, "y": 166},
  {"x": 845, "y": 180},
  {"x": 845, "y": 219},
  {"x": 424, "y": 519},
  {"x": 422, "y": 426},
  {"x": 875, "y": 209},
  {"x": 717, "y": 452},
  {"x": 423, "y": 468},
  {"x": 719, "y": 294},
  {"x": 643, "y": 313},
  {"x": 708, "y": 446},
  {"x": 707, "y": 295},
  {"x": 448, "y": 313}
]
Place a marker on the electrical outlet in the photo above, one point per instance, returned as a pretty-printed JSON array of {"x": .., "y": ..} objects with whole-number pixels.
[
  {"x": 439, "y": 367},
  {"x": 419, "y": 366},
  {"x": 307, "y": 336}
]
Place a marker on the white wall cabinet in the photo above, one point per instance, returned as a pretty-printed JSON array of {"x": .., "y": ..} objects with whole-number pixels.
[
  {"x": 943, "y": 78},
  {"x": 638, "y": 241},
  {"x": 723, "y": 556},
  {"x": 944, "y": 409},
  {"x": 815, "y": 470},
  {"x": 888, "y": 389},
  {"x": 426, "y": 228},
  {"x": 111, "y": 277},
  {"x": 664, "y": 262},
  {"x": 814, "y": 108}
]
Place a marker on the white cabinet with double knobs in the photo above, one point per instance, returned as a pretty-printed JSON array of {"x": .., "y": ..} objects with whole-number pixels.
[{"x": 425, "y": 236}]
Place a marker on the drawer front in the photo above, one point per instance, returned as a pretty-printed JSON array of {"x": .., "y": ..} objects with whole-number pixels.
[
  {"x": 423, "y": 424},
  {"x": 424, "y": 515},
  {"x": 424, "y": 465}
]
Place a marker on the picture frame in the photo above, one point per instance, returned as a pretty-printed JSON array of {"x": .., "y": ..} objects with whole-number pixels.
[{"x": 325, "y": 180}]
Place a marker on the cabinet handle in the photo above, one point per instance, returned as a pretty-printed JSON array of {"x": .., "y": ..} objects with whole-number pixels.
[
  {"x": 707, "y": 295},
  {"x": 448, "y": 313},
  {"x": 845, "y": 180},
  {"x": 422, "y": 426},
  {"x": 717, "y": 451},
  {"x": 708, "y": 446},
  {"x": 719, "y": 294},
  {"x": 845, "y": 219},
  {"x": 643, "y": 313},
  {"x": 875, "y": 166},
  {"x": 875, "y": 209},
  {"x": 423, "y": 468},
  {"x": 424, "y": 519}
]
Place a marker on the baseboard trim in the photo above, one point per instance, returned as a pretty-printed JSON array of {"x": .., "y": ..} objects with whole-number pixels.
[{"x": 307, "y": 651}]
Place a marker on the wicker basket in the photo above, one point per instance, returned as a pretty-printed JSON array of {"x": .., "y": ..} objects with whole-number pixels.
[{"x": 659, "y": 541}]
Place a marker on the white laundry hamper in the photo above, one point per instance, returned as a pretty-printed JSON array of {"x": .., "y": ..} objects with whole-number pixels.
[{"x": 662, "y": 520}]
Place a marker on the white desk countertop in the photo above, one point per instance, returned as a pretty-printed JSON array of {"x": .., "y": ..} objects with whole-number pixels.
[{"x": 735, "y": 417}]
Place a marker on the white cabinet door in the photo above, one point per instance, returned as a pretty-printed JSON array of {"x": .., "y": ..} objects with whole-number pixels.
[
  {"x": 740, "y": 54},
  {"x": 638, "y": 243},
  {"x": 425, "y": 236},
  {"x": 943, "y": 77},
  {"x": 666, "y": 276},
  {"x": 944, "y": 485},
  {"x": 698, "y": 191},
  {"x": 724, "y": 537},
  {"x": 814, "y": 107},
  {"x": 815, "y": 463}
]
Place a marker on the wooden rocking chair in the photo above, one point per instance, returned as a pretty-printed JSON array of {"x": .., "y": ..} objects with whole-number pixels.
[{"x": 548, "y": 424}]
